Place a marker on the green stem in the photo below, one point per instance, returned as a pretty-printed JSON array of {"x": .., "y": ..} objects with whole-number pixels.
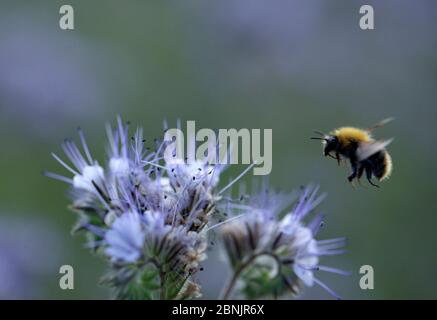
[
  {"x": 161, "y": 277},
  {"x": 162, "y": 289},
  {"x": 227, "y": 290}
]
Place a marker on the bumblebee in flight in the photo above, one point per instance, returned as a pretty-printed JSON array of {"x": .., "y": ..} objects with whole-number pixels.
[{"x": 364, "y": 153}]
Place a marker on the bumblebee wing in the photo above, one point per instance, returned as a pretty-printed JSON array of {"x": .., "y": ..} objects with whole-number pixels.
[
  {"x": 366, "y": 150},
  {"x": 380, "y": 124}
]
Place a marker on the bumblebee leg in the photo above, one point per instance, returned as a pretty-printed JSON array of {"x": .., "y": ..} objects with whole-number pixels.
[
  {"x": 331, "y": 156},
  {"x": 369, "y": 176},
  {"x": 337, "y": 156},
  {"x": 354, "y": 172},
  {"x": 360, "y": 174}
]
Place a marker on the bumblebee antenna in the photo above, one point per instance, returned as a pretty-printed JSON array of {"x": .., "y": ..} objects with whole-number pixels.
[
  {"x": 323, "y": 135},
  {"x": 319, "y": 133}
]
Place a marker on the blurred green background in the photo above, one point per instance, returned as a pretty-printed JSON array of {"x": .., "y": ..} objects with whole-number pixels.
[{"x": 292, "y": 66}]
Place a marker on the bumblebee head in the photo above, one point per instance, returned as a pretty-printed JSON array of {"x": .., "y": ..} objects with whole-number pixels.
[{"x": 330, "y": 142}]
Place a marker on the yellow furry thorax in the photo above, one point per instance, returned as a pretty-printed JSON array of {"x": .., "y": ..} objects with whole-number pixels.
[{"x": 346, "y": 135}]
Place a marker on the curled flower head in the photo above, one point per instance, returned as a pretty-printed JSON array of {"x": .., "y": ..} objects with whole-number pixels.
[
  {"x": 142, "y": 212},
  {"x": 271, "y": 250},
  {"x": 147, "y": 242},
  {"x": 174, "y": 248}
]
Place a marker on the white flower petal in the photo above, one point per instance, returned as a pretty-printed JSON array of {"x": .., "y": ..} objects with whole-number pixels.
[
  {"x": 125, "y": 238},
  {"x": 305, "y": 275},
  {"x": 89, "y": 173},
  {"x": 119, "y": 166}
]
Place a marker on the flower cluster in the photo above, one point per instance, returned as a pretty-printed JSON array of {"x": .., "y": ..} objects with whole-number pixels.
[
  {"x": 149, "y": 215},
  {"x": 143, "y": 211},
  {"x": 270, "y": 249}
]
